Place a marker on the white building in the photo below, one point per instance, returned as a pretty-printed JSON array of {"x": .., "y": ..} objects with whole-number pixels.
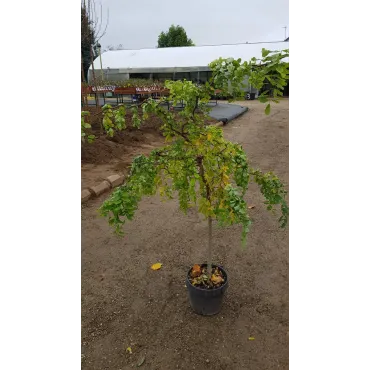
[{"x": 189, "y": 63}]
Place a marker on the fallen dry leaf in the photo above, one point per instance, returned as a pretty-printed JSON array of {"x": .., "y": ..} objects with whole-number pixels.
[
  {"x": 129, "y": 350},
  {"x": 216, "y": 279},
  {"x": 251, "y": 207},
  {"x": 196, "y": 271},
  {"x": 156, "y": 266}
]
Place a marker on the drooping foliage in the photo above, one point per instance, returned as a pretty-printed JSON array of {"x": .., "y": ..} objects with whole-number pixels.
[
  {"x": 230, "y": 75},
  {"x": 199, "y": 166}
]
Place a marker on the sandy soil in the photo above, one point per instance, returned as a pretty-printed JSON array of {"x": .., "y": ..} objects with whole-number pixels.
[
  {"x": 106, "y": 157},
  {"x": 109, "y": 156},
  {"x": 125, "y": 303}
]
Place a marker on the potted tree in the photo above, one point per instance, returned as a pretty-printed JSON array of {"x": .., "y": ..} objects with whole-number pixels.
[{"x": 202, "y": 168}]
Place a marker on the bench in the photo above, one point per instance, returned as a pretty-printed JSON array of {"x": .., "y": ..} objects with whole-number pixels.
[{"x": 120, "y": 92}]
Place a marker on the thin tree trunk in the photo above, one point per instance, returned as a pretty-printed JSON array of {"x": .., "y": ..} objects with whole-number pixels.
[
  {"x": 92, "y": 64},
  {"x": 209, "y": 262},
  {"x": 84, "y": 96},
  {"x": 82, "y": 69},
  {"x": 208, "y": 196},
  {"x": 94, "y": 80}
]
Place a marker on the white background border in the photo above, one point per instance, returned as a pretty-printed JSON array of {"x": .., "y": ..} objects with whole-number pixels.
[
  {"x": 40, "y": 185},
  {"x": 329, "y": 185}
]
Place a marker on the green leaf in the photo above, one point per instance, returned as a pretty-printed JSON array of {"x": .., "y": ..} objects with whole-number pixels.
[
  {"x": 262, "y": 99},
  {"x": 265, "y": 52},
  {"x": 267, "y": 109},
  {"x": 91, "y": 138}
]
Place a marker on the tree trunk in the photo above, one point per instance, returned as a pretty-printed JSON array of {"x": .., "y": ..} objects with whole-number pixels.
[
  {"x": 84, "y": 96},
  {"x": 209, "y": 262},
  {"x": 208, "y": 196},
  {"x": 82, "y": 69},
  {"x": 92, "y": 64},
  {"x": 94, "y": 80}
]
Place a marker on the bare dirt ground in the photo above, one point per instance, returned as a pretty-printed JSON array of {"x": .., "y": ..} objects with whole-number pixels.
[
  {"x": 125, "y": 303},
  {"x": 106, "y": 157},
  {"x": 109, "y": 156}
]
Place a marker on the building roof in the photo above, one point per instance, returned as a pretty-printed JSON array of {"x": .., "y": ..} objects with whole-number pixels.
[{"x": 192, "y": 58}]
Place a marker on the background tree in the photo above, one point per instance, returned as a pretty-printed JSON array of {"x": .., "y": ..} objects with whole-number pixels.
[
  {"x": 92, "y": 30},
  {"x": 175, "y": 36},
  {"x": 87, "y": 39}
]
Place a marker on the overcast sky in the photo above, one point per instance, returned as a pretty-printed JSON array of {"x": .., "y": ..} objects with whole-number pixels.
[{"x": 137, "y": 24}]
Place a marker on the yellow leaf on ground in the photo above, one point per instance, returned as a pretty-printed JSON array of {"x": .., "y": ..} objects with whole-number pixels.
[
  {"x": 156, "y": 266},
  {"x": 251, "y": 338},
  {"x": 129, "y": 350}
]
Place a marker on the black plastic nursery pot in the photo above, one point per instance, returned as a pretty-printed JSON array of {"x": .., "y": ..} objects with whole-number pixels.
[{"x": 207, "y": 302}]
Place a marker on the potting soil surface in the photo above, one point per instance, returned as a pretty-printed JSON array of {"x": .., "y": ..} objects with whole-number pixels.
[{"x": 127, "y": 304}]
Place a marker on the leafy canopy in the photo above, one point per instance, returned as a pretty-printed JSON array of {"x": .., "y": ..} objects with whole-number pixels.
[
  {"x": 199, "y": 165},
  {"x": 85, "y": 127},
  {"x": 114, "y": 119},
  {"x": 175, "y": 36},
  {"x": 231, "y": 75}
]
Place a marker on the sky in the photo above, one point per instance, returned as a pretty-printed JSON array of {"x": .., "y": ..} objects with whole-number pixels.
[{"x": 137, "y": 24}]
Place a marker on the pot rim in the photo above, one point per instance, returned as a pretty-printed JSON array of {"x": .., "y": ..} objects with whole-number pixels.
[{"x": 209, "y": 290}]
